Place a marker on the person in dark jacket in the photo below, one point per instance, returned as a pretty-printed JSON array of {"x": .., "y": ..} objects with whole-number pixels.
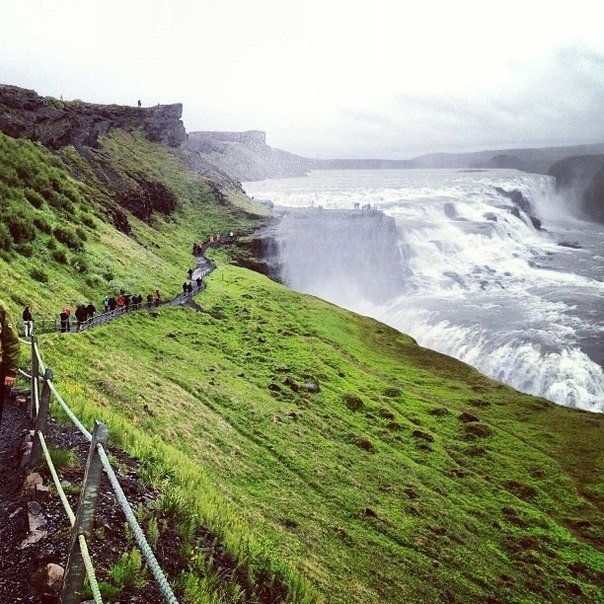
[
  {"x": 90, "y": 310},
  {"x": 10, "y": 351},
  {"x": 28, "y": 322},
  {"x": 64, "y": 317},
  {"x": 81, "y": 316}
]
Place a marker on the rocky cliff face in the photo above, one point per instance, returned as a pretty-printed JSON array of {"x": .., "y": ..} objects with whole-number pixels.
[
  {"x": 582, "y": 178},
  {"x": 25, "y": 114},
  {"x": 246, "y": 156}
]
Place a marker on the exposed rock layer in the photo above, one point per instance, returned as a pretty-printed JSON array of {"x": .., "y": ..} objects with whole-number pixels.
[
  {"x": 54, "y": 123},
  {"x": 246, "y": 156},
  {"x": 583, "y": 178}
]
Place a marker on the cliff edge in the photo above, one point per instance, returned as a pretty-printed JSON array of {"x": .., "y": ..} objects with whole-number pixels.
[
  {"x": 582, "y": 177},
  {"x": 55, "y": 123},
  {"x": 246, "y": 156}
]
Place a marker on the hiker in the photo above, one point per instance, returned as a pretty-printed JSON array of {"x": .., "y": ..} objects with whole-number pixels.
[
  {"x": 189, "y": 288},
  {"x": 64, "y": 318},
  {"x": 184, "y": 287},
  {"x": 90, "y": 311},
  {"x": 199, "y": 281},
  {"x": 28, "y": 322},
  {"x": 190, "y": 273},
  {"x": 112, "y": 304},
  {"x": 81, "y": 315},
  {"x": 120, "y": 302},
  {"x": 149, "y": 300},
  {"x": 10, "y": 351},
  {"x": 106, "y": 303},
  {"x": 127, "y": 302},
  {"x": 157, "y": 298}
]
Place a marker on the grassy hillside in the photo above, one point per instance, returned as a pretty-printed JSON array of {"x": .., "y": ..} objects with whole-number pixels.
[
  {"x": 58, "y": 238},
  {"x": 333, "y": 458}
]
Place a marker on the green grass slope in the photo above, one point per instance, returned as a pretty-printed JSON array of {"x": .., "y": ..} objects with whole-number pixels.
[
  {"x": 408, "y": 477},
  {"x": 58, "y": 240},
  {"x": 332, "y": 457}
]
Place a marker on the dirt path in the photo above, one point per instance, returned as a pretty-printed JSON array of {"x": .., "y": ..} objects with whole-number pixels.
[{"x": 14, "y": 584}]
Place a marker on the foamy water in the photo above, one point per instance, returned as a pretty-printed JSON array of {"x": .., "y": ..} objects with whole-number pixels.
[{"x": 479, "y": 281}]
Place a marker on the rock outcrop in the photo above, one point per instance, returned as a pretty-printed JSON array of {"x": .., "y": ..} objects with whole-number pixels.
[
  {"x": 246, "y": 156},
  {"x": 582, "y": 178},
  {"x": 55, "y": 123}
]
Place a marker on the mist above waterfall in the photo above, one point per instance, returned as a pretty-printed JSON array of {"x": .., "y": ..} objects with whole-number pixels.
[
  {"x": 340, "y": 255},
  {"x": 486, "y": 266}
]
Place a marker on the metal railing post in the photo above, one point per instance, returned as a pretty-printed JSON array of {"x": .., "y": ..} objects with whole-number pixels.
[{"x": 75, "y": 570}]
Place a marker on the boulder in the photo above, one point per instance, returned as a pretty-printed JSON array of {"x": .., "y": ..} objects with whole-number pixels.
[{"x": 49, "y": 578}]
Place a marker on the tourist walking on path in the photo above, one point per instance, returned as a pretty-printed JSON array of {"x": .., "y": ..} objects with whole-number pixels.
[
  {"x": 28, "y": 322},
  {"x": 64, "y": 317},
  {"x": 157, "y": 298},
  {"x": 81, "y": 315},
  {"x": 10, "y": 351},
  {"x": 90, "y": 311}
]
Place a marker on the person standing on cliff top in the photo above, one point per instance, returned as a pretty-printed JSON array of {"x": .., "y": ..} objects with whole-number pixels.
[
  {"x": 139, "y": 104},
  {"x": 10, "y": 351}
]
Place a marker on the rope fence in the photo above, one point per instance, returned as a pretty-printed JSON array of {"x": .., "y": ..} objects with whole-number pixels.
[
  {"x": 79, "y": 562},
  {"x": 42, "y": 389}
]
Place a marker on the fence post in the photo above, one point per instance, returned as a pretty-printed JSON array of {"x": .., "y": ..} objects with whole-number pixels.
[
  {"x": 35, "y": 369},
  {"x": 41, "y": 423},
  {"x": 75, "y": 571}
]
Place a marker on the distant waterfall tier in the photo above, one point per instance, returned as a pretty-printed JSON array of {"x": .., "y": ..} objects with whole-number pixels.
[
  {"x": 311, "y": 256},
  {"x": 491, "y": 267}
]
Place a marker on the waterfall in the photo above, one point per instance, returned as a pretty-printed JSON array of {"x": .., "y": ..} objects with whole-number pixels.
[{"x": 489, "y": 267}]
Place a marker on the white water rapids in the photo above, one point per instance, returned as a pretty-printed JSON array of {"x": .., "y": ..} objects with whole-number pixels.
[{"x": 476, "y": 277}]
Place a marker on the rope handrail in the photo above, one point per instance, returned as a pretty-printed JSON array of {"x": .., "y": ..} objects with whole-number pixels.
[
  {"x": 39, "y": 369},
  {"x": 94, "y": 587},
  {"x": 56, "y": 479},
  {"x": 79, "y": 425},
  {"x": 138, "y": 533},
  {"x": 136, "y": 529}
]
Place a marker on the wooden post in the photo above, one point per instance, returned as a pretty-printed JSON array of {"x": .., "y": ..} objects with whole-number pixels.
[
  {"x": 34, "y": 378},
  {"x": 41, "y": 423},
  {"x": 75, "y": 571}
]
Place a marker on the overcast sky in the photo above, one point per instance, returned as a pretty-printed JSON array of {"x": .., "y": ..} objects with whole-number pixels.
[{"x": 328, "y": 78}]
